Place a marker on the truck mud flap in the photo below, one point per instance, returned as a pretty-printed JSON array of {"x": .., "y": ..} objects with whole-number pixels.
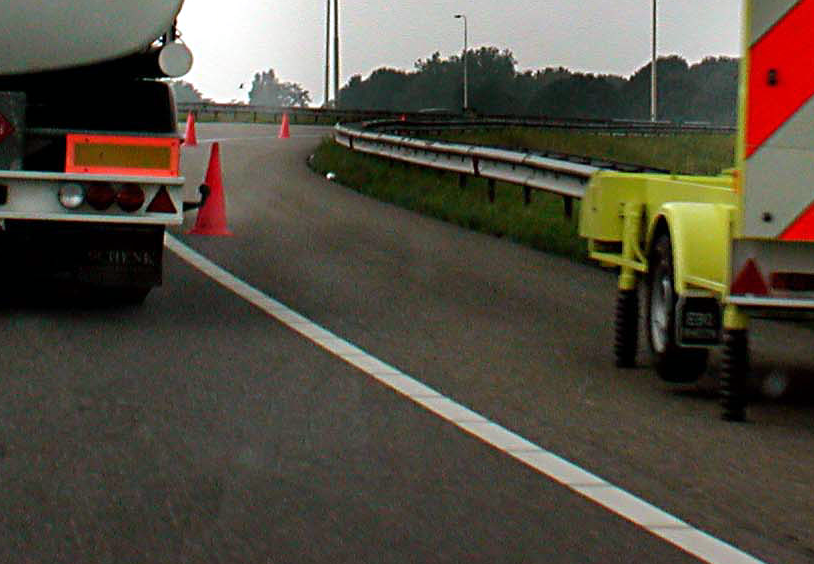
[{"x": 85, "y": 253}]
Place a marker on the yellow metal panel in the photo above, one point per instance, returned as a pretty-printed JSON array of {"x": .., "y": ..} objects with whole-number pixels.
[
  {"x": 700, "y": 233},
  {"x": 601, "y": 217}
]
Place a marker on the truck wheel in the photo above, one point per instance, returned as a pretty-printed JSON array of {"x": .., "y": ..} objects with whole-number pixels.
[
  {"x": 734, "y": 374},
  {"x": 672, "y": 362},
  {"x": 626, "y": 342}
]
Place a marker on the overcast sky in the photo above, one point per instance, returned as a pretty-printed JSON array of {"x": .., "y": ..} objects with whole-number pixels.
[{"x": 234, "y": 39}]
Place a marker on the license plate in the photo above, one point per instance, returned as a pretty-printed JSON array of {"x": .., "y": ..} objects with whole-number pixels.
[{"x": 699, "y": 321}]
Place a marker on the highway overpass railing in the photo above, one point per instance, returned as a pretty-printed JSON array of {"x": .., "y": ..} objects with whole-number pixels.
[{"x": 435, "y": 120}]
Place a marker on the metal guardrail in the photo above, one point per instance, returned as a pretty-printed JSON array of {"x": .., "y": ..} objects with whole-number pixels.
[
  {"x": 529, "y": 170},
  {"x": 442, "y": 121},
  {"x": 296, "y": 114},
  {"x": 564, "y": 175}
]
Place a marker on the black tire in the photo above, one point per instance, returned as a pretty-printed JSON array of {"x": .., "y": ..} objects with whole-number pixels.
[
  {"x": 672, "y": 362},
  {"x": 626, "y": 342},
  {"x": 734, "y": 375}
]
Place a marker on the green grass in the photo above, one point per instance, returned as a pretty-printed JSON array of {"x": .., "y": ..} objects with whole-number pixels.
[
  {"x": 541, "y": 224},
  {"x": 689, "y": 153}
]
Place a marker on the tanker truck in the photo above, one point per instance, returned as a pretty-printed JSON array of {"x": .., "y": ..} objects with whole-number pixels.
[{"x": 89, "y": 149}]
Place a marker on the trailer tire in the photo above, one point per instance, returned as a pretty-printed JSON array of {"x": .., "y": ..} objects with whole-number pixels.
[
  {"x": 626, "y": 342},
  {"x": 673, "y": 363},
  {"x": 734, "y": 374}
]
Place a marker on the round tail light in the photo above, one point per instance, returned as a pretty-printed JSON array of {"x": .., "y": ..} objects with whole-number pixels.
[
  {"x": 100, "y": 196},
  {"x": 130, "y": 198},
  {"x": 71, "y": 195}
]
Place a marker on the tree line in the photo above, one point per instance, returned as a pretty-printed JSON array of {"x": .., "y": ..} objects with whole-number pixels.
[
  {"x": 266, "y": 90},
  {"x": 706, "y": 91}
]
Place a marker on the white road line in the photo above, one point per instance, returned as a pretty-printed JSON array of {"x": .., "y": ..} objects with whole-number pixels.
[{"x": 624, "y": 504}]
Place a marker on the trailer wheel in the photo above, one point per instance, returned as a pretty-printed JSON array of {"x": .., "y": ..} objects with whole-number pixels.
[
  {"x": 626, "y": 341},
  {"x": 672, "y": 362},
  {"x": 734, "y": 374}
]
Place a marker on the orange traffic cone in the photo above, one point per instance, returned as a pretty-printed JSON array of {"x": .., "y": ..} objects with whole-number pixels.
[
  {"x": 190, "y": 140},
  {"x": 212, "y": 215},
  {"x": 284, "y": 133}
]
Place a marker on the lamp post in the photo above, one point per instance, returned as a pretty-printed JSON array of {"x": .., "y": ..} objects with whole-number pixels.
[
  {"x": 327, "y": 54},
  {"x": 336, "y": 53},
  {"x": 463, "y": 60},
  {"x": 653, "y": 92}
]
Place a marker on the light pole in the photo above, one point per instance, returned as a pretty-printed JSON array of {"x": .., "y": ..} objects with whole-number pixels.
[
  {"x": 336, "y": 53},
  {"x": 463, "y": 60},
  {"x": 327, "y": 53},
  {"x": 653, "y": 93}
]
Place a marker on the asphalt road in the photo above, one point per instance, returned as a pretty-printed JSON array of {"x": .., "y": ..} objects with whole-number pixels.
[{"x": 197, "y": 429}]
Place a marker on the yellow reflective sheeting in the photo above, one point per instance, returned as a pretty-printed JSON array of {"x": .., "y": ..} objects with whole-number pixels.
[{"x": 109, "y": 155}]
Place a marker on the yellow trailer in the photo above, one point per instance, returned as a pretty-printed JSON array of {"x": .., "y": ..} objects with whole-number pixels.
[{"x": 710, "y": 252}]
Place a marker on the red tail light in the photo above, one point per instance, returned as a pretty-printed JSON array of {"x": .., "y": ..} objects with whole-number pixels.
[
  {"x": 130, "y": 198},
  {"x": 100, "y": 196},
  {"x": 792, "y": 281}
]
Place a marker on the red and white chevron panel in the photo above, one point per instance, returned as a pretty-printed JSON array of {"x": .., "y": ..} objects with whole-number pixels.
[{"x": 778, "y": 175}]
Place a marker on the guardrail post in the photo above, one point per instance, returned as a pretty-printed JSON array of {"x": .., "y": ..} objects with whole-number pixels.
[
  {"x": 492, "y": 185},
  {"x": 526, "y": 195}
]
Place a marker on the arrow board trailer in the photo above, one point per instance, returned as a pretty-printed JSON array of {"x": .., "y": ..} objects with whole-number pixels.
[
  {"x": 89, "y": 147},
  {"x": 708, "y": 253}
]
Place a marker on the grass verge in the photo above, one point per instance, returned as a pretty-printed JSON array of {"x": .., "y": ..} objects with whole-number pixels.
[
  {"x": 694, "y": 153},
  {"x": 541, "y": 224}
]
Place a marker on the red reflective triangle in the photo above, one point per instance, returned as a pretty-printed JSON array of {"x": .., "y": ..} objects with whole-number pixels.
[
  {"x": 749, "y": 281},
  {"x": 6, "y": 128},
  {"x": 162, "y": 203}
]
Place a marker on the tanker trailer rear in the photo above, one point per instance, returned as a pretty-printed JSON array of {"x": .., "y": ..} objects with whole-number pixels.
[{"x": 89, "y": 149}]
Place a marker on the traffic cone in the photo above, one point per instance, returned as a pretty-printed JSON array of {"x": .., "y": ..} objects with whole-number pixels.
[
  {"x": 190, "y": 140},
  {"x": 284, "y": 133},
  {"x": 211, "y": 218}
]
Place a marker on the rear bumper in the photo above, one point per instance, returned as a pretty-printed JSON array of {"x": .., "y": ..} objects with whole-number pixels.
[
  {"x": 758, "y": 302},
  {"x": 35, "y": 196}
]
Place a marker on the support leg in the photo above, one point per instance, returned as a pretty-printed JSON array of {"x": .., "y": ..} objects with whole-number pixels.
[{"x": 735, "y": 365}]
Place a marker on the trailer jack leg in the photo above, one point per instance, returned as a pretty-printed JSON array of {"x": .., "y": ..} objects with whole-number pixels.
[
  {"x": 735, "y": 365},
  {"x": 626, "y": 323}
]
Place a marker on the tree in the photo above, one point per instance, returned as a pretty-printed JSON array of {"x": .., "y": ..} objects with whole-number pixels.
[
  {"x": 185, "y": 93},
  {"x": 706, "y": 91},
  {"x": 267, "y": 90}
]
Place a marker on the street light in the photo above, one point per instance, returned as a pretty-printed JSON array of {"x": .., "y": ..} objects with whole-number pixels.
[
  {"x": 466, "y": 48},
  {"x": 653, "y": 93}
]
